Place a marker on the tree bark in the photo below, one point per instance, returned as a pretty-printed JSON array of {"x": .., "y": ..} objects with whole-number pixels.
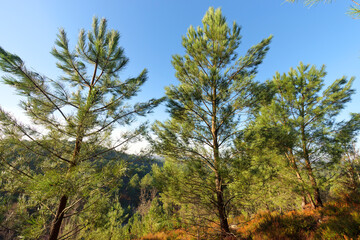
[
  {"x": 55, "y": 228},
  {"x": 224, "y": 225},
  {"x": 317, "y": 198},
  {"x": 294, "y": 166},
  {"x": 354, "y": 177}
]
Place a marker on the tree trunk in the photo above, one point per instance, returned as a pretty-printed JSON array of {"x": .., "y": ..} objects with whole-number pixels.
[
  {"x": 224, "y": 225},
  {"x": 317, "y": 198},
  {"x": 55, "y": 228},
  {"x": 354, "y": 177},
  {"x": 294, "y": 166},
  {"x": 304, "y": 202},
  {"x": 220, "y": 204}
]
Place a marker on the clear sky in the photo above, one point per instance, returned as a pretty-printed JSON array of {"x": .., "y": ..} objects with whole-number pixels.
[{"x": 151, "y": 33}]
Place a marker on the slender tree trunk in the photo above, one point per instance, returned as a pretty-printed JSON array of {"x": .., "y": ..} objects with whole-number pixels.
[
  {"x": 224, "y": 225},
  {"x": 317, "y": 198},
  {"x": 294, "y": 166},
  {"x": 221, "y": 208},
  {"x": 354, "y": 177},
  {"x": 55, "y": 228},
  {"x": 304, "y": 202},
  {"x": 78, "y": 144}
]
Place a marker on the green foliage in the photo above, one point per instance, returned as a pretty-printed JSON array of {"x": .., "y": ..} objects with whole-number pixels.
[
  {"x": 354, "y": 9},
  {"x": 108, "y": 210},
  {"x": 344, "y": 149},
  {"x": 264, "y": 182},
  {"x": 110, "y": 226},
  {"x": 299, "y": 123},
  {"x": 215, "y": 88},
  {"x": 232, "y": 146},
  {"x": 153, "y": 220},
  {"x": 71, "y": 124}
]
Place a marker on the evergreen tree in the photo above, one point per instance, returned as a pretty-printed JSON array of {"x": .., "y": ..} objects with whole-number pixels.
[
  {"x": 304, "y": 118},
  {"x": 214, "y": 90},
  {"x": 343, "y": 147},
  {"x": 71, "y": 122},
  {"x": 354, "y": 9},
  {"x": 270, "y": 183}
]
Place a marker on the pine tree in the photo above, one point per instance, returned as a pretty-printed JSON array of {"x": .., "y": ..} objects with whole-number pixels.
[
  {"x": 215, "y": 88},
  {"x": 270, "y": 184},
  {"x": 354, "y": 10},
  {"x": 345, "y": 152},
  {"x": 71, "y": 123},
  {"x": 304, "y": 118}
]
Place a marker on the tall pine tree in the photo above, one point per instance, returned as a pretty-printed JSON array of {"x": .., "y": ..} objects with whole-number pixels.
[
  {"x": 215, "y": 89},
  {"x": 304, "y": 117},
  {"x": 71, "y": 122}
]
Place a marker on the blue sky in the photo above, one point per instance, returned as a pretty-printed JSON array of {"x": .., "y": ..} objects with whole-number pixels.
[{"x": 151, "y": 33}]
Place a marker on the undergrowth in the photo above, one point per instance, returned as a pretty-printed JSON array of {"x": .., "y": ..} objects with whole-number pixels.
[{"x": 339, "y": 219}]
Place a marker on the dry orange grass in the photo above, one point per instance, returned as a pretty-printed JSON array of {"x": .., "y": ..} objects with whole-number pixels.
[
  {"x": 336, "y": 220},
  {"x": 177, "y": 234}
]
